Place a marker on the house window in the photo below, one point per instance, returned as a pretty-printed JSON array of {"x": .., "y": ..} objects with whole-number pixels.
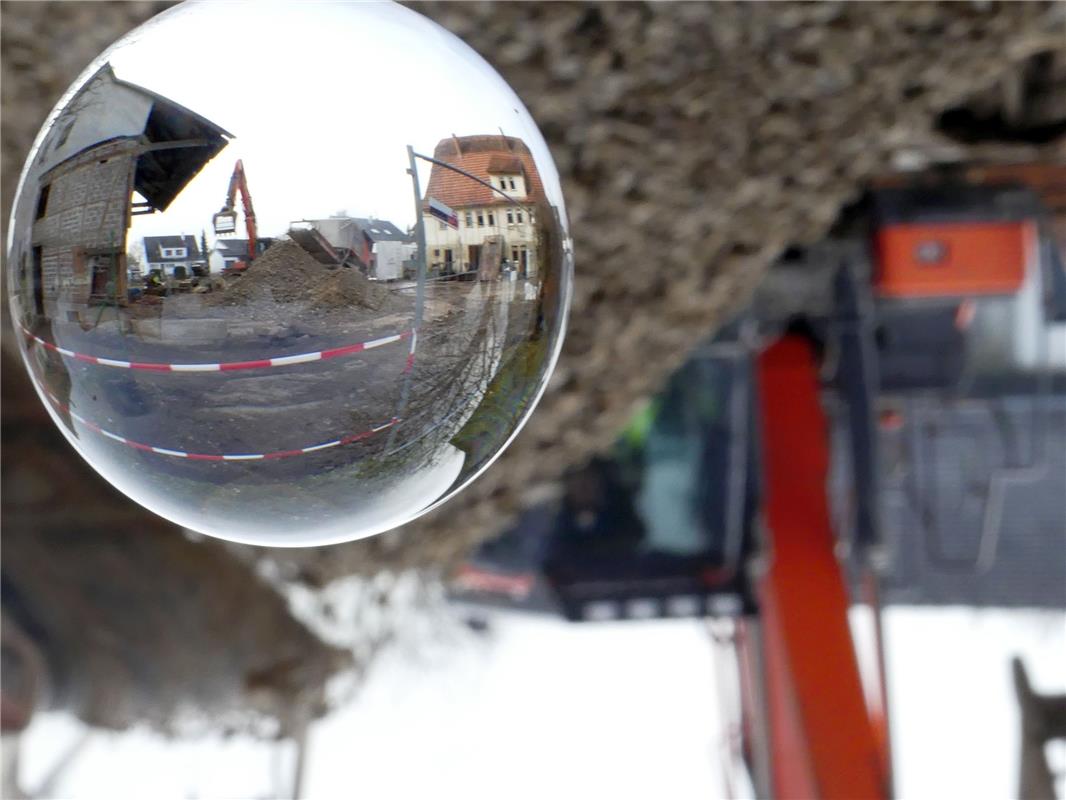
[
  {"x": 174, "y": 252},
  {"x": 480, "y": 220},
  {"x": 436, "y": 253},
  {"x": 42, "y": 201},
  {"x": 492, "y": 219},
  {"x": 510, "y": 217},
  {"x": 518, "y": 216},
  {"x": 469, "y": 220},
  {"x": 511, "y": 181},
  {"x": 443, "y": 226}
]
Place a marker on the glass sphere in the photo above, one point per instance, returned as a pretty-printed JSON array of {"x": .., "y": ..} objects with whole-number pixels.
[{"x": 338, "y": 356}]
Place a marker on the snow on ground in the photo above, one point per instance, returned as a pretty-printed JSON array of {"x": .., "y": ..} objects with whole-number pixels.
[
  {"x": 620, "y": 710},
  {"x": 952, "y": 701}
]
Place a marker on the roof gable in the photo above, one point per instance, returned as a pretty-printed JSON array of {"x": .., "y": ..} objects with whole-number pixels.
[
  {"x": 153, "y": 246},
  {"x": 481, "y": 156},
  {"x": 380, "y": 230},
  {"x": 106, "y": 108}
]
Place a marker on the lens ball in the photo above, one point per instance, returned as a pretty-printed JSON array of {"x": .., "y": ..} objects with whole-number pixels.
[{"x": 290, "y": 277}]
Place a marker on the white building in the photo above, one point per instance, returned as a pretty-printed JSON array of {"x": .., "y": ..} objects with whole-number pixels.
[
  {"x": 172, "y": 256},
  {"x": 484, "y": 216}
]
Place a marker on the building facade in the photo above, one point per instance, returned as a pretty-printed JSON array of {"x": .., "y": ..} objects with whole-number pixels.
[
  {"x": 173, "y": 256},
  {"x": 115, "y": 151},
  {"x": 495, "y": 225},
  {"x": 356, "y": 239},
  {"x": 77, "y": 253}
]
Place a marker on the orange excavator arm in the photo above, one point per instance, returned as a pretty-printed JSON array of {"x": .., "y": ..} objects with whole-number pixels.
[{"x": 226, "y": 219}]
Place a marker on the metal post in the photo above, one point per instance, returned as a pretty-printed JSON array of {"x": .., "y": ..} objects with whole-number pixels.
[
  {"x": 420, "y": 293},
  {"x": 420, "y": 239}
]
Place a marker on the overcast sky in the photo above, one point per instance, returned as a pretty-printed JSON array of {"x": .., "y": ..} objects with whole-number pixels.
[{"x": 322, "y": 99}]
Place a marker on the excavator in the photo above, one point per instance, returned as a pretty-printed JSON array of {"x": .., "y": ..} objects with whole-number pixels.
[
  {"x": 225, "y": 221},
  {"x": 882, "y": 426}
]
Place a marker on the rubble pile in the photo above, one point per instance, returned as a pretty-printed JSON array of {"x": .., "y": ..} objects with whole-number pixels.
[{"x": 291, "y": 275}]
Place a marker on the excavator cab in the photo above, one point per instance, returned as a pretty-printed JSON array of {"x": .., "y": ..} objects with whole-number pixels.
[{"x": 225, "y": 221}]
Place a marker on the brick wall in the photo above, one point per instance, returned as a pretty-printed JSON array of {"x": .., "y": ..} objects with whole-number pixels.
[{"x": 87, "y": 209}]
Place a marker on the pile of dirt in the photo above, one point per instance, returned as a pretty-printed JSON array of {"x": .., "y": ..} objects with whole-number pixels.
[{"x": 291, "y": 275}]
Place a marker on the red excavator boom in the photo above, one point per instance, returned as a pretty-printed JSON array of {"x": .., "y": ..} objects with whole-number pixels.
[{"x": 225, "y": 221}]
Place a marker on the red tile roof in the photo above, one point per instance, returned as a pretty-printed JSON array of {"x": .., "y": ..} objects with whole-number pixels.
[{"x": 482, "y": 156}]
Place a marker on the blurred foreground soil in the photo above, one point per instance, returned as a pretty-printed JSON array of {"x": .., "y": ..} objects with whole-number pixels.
[{"x": 133, "y": 621}]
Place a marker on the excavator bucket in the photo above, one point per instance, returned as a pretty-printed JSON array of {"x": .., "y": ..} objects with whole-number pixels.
[{"x": 225, "y": 221}]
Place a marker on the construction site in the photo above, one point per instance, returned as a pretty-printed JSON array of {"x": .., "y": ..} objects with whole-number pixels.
[{"x": 787, "y": 522}]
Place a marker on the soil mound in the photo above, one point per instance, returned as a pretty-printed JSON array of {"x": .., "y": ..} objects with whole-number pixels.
[{"x": 291, "y": 275}]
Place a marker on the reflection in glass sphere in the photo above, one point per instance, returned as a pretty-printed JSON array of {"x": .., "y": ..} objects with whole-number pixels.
[{"x": 334, "y": 358}]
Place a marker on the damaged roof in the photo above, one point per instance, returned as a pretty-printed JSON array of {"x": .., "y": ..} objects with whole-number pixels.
[
  {"x": 153, "y": 248},
  {"x": 482, "y": 156},
  {"x": 380, "y": 230},
  {"x": 173, "y": 143}
]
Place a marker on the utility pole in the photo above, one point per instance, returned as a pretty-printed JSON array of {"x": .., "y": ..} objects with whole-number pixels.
[
  {"x": 420, "y": 293},
  {"x": 420, "y": 238}
]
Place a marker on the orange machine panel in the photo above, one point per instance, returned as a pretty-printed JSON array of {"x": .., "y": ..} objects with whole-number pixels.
[{"x": 952, "y": 258}]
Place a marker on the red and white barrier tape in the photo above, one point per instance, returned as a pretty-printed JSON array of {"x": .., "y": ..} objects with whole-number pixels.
[
  {"x": 163, "y": 451},
  {"x": 411, "y": 352},
  {"x": 230, "y": 366}
]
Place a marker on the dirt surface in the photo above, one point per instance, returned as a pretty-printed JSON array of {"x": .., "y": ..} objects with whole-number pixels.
[
  {"x": 291, "y": 275},
  {"x": 694, "y": 141}
]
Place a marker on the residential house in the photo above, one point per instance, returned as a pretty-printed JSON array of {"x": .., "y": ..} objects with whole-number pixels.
[
  {"x": 173, "y": 256},
  {"x": 501, "y": 222},
  {"x": 355, "y": 238},
  {"x": 113, "y": 139},
  {"x": 227, "y": 252}
]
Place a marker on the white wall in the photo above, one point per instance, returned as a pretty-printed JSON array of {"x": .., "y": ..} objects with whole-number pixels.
[{"x": 459, "y": 240}]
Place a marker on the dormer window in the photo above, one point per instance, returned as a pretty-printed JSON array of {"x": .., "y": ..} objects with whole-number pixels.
[
  {"x": 175, "y": 252},
  {"x": 509, "y": 183}
]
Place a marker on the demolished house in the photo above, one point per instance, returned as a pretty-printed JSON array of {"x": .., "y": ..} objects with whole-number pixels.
[{"x": 116, "y": 139}]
